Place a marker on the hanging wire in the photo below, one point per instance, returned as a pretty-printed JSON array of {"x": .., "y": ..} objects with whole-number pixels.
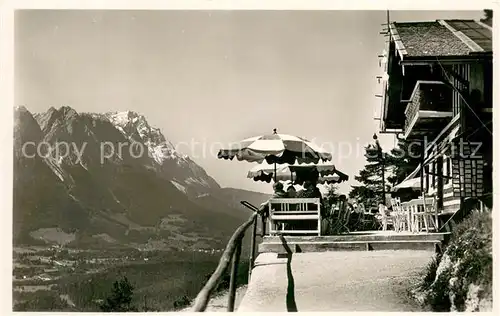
[{"x": 462, "y": 97}]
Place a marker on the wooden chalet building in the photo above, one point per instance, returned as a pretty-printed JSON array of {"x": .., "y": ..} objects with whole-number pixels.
[{"x": 439, "y": 93}]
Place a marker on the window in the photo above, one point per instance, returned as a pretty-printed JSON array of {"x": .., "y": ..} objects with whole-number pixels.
[{"x": 461, "y": 86}]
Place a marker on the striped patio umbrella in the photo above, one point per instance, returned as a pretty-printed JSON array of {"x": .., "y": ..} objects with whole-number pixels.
[
  {"x": 275, "y": 149},
  {"x": 285, "y": 171},
  {"x": 338, "y": 177},
  {"x": 266, "y": 172}
]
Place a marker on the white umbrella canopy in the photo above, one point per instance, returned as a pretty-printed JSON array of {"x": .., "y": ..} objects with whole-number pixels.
[
  {"x": 266, "y": 172},
  {"x": 286, "y": 172},
  {"x": 275, "y": 148},
  {"x": 338, "y": 177},
  {"x": 413, "y": 184}
]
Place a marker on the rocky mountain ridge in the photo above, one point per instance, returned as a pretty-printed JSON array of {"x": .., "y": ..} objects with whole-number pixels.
[{"x": 74, "y": 173}]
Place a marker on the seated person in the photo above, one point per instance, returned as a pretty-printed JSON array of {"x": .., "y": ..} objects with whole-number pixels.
[
  {"x": 291, "y": 193},
  {"x": 279, "y": 193},
  {"x": 310, "y": 191}
]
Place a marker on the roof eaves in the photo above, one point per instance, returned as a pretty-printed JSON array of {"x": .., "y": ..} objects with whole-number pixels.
[
  {"x": 400, "y": 47},
  {"x": 426, "y": 60},
  {"x": 486, "y": 26}
]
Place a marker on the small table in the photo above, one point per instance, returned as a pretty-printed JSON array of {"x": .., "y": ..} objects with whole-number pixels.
[{"x": 415, "y": 208}]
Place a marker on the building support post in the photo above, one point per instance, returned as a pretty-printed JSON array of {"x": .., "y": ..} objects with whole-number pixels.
[
  {"x": 422, "y": 169},
  {"x": 382, "y": 164},
  {"x": 422, "y": 155}
]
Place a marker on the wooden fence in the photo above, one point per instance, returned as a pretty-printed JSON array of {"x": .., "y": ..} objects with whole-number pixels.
[{"x": 231, "y": 255}]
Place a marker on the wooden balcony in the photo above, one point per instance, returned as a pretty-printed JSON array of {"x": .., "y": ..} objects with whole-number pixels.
[{"x": 429, "y": 109}]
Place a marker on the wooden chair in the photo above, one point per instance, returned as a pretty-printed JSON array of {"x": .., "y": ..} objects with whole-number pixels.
[
  {"x": 417, "y": 218},
  {"x": 294, "y": 210},
  {"x": 424, "y": 216},
  {"x": 360, "y": 210},
  {"x": 386, "y": 220},
  {"x": 369, "y": 222},
  {"x": 330, "y": 218},
  {"x": 361, "y": 207},
  {"x": 341, "y": 220},
  {"x": 346, "y": 216},
  {"x": 431, "y": 215},
  {"x": 335, "y": 220},
  {"x": 400, "y": 216},
  {"x": 407, "y": 211},
  {"x": 395, "y": 216}
]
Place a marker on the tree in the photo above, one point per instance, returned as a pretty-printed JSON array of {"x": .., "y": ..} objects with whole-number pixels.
[
  {"x": 331, "y": 196},
  {"x": 403, "y": 160},
  {"x": 488, "y": 17},
  {"x": 398, "y": 164},
  {"x": 120, "y": 298},
  {"x": 371, "y": 179}
]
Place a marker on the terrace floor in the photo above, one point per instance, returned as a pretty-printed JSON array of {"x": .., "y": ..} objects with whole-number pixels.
[
  {"x": 334, "y": 281},
  {"x": 359, "y": 271}
]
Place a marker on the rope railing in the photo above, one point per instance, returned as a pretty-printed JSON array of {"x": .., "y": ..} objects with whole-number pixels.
[{"x": 231, "y": 255}]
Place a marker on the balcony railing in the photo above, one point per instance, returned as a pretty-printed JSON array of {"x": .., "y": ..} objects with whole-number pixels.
[{"x": 430, "y": 103}]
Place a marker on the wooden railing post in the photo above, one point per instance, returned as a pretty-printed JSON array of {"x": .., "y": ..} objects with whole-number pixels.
[
  {"x": 232, "y": 252},
  {"x": 234, "y": 275},
  {"x": 252, "y": 249}
]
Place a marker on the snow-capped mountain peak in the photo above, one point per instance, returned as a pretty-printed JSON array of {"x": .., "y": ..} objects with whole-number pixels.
[{"x": 135, "y": 127}]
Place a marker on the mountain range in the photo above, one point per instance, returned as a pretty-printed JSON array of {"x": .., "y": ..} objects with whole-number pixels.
[{"x": 112, "y": 180}]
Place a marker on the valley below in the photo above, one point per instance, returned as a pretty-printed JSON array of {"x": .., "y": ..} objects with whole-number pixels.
[{"x": 78, "y": 280}]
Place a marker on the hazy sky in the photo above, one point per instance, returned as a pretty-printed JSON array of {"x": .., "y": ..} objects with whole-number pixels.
[{"x": 208, "y": 78}]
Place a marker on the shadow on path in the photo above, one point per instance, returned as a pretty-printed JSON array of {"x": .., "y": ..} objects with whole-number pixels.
[{"x": 291, "y": 306}]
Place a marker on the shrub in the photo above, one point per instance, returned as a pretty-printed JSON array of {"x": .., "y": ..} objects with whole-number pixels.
[
  {"x": 120, "y": 298},
  {"x": 430, "y": 272},
  {"x": 182, "y": 302},
  {"x": 461, "y": 280}
]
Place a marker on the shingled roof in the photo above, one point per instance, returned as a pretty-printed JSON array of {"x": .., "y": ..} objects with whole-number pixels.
[{"x": 442, "y": 38}]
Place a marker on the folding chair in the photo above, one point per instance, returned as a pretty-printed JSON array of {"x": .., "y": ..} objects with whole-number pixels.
[
  {"x": 385, "y": 220},
  {"x": 334, "y": 219},
  {"x": 329, "y": 219},
  {"x": 340, "y": 218},
  {"x": 346, "y": 216},
  {"x": 339, "y": 221},
  {"x": 363, "y": 220},
  {"x": 397, "y": 225},
  {"x": 431, "y": 215},
  {"x": 400, "y": 218}
]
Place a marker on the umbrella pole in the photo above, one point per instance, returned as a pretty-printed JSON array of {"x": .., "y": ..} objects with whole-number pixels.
[{"x": 274, "y": 172}]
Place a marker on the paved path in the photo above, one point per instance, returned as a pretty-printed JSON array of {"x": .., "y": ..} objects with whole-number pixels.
[{"x": 334, "y": 281}]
